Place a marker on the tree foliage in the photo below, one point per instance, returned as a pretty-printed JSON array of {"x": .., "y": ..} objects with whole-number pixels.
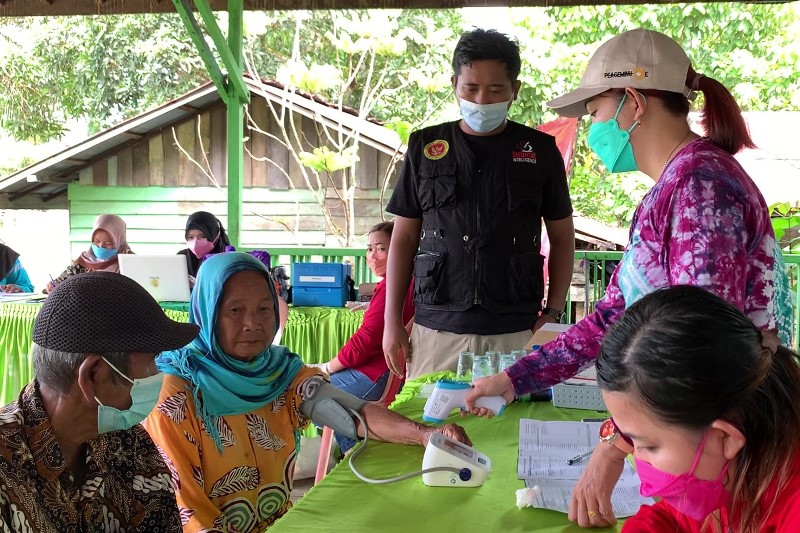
[
  {"x": 752, "y": 49},
  {"x": 357, "y": 61},
  {"x": 393, "y": 65},
  {"x": 100, "y": 69},
  {"x": 340, "y": 54}
]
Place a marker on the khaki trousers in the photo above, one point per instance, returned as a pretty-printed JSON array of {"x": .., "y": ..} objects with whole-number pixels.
[{"x": 433, "y": 351}]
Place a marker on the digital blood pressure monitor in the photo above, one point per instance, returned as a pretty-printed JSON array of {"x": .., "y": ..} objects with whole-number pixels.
[{"x": 466, "y": 466}]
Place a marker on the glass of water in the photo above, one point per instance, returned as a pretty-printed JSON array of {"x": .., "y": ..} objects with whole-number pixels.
[
  {"x": 482, "y": 366},
  {"x": 519, "y": 354},
  {"x": 505, "y": 361},
  {"x": 494, "y": 356},
  {"x": 464, "y": 368}
]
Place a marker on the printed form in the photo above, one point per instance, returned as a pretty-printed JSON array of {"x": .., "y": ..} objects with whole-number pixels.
[{"x": 544, "y": 448}]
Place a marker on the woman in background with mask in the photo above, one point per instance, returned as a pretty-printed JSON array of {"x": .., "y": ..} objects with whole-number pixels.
[
  {"x": 204, "y": 235},
  {"x": 719, "y": 441},
  {"x": 108, "y": 241},
  {"x": 13, "y": 277},
  {"x": 704, "y": 222}
]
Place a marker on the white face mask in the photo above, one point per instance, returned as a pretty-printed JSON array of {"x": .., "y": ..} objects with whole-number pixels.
[{"x": 483, "y": 118}]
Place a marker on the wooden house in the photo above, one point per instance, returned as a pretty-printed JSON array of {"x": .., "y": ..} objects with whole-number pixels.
[{"x": 157, "y": 168}]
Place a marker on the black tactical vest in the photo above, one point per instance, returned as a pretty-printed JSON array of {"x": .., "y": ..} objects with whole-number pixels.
[{"x": 481, "y": 227}]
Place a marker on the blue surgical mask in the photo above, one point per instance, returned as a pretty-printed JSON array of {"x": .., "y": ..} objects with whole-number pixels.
[
  {"x": 483, "y": 118},
  {"x": 613, "y": 144},
  {"x": 144, "y": 394},
  {"x": 104, "y": 254}
]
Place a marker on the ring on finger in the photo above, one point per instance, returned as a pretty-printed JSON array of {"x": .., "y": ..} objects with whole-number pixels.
[{"x": 593, "y": 514}]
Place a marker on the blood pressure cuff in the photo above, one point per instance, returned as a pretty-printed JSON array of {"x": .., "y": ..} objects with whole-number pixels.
[{"x": 328, "y": 406}]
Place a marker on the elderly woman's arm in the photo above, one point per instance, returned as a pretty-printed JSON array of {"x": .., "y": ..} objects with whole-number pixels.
[
  {"x": 389, "y": 426},
  {"x": 180, "y": 442}
]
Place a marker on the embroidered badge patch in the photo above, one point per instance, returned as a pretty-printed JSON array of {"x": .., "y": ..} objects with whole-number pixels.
[
  {"x": 436, "y": 149},
  {"x": 523, "y": 153}
]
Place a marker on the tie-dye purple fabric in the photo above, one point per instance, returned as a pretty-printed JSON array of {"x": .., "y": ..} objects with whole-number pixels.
[{"x": 704, "y": 223}]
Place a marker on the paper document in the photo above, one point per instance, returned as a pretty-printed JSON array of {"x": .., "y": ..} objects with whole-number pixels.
[
  {"x": 12, "y": 297},
  {"x": 544, "y": 448}
]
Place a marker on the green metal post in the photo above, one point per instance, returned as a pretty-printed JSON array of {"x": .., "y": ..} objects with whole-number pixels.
[
  {"x": 231, "y": 52},
  {"x": 184, "y": 9},
  {"x": 235, "y": 107},
  {"x": 232, "y": 89}
]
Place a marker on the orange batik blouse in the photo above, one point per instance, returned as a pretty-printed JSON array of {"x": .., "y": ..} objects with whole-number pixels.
[{"x": 245, "y": 486}]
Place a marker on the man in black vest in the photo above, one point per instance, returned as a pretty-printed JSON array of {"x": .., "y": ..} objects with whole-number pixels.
[{"x": 469, "y": 204}]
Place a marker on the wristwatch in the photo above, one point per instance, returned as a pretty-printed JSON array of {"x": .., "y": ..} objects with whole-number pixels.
[
  {"x": 611, "y": 435},
  {"x": 555, "y": 313}
]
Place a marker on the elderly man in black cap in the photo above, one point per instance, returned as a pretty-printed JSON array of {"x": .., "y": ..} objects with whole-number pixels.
[{"x": 73, "y": 456}]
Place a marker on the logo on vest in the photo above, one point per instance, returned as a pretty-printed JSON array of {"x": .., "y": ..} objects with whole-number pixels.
[
  {"x": 436, "y": 149},
  {"x": 523, "y": 153}
]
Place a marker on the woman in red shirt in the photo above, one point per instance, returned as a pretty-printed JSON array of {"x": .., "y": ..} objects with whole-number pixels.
[
  {"x": 360, "y": 367},
  {"x": 711, "y": 404}
]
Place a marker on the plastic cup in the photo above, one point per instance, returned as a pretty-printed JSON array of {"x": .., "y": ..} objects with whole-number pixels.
[
  {"x": 482, "y": 366},
  {"x": 464, "y": 368},
  {"x": 494, "y": 356},
  {"x": 505, "y": 360}
]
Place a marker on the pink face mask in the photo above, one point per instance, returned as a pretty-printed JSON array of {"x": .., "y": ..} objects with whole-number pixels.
[
  {"x": 696, "y": 498},
  {"x": 200, "y": 247}
]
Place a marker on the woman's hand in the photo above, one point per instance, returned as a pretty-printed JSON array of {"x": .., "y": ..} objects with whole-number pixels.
[
  {"x": 496, "y": 385},
  {"x": 454, "y": 431},
  {"x": 357, "y": 306},
  {"x": 591, "y": 499},
  {"x": 10, "y": 288}
]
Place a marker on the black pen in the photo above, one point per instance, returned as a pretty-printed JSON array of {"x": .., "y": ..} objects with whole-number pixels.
[{"x": 580, "y": 457}]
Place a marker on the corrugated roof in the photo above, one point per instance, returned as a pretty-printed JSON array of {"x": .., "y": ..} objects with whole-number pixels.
[{"x": 50, "y": 176}]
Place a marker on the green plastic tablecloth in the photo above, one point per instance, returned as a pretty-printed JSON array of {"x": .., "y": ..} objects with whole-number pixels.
[
  {"x": 342, "y": 502},
  {"x": 315, "y": 333}
]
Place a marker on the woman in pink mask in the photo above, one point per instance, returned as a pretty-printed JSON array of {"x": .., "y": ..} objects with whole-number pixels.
[
  {"x": 711, "y": 404},
  {"x": 204, "y": 235},
  {"x": 109, "y": 239}
]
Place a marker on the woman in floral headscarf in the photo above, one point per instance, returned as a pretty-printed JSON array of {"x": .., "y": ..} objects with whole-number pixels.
[{"x": 108, "y": 241}]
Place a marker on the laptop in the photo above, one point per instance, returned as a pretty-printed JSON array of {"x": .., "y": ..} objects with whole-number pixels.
[{"x": 165, "y": 277}]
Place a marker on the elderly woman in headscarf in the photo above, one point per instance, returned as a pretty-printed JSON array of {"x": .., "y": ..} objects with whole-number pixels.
[
  {"x": 108, "y": 241},
  {"x": 204, "y": 235},
  {"x": 232, "y": 404},
  {"x": 13, "y": 278}
]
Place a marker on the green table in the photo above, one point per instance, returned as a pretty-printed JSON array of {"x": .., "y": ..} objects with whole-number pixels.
[
  {"x": 315, "y": 333},
  {"x": 342, "y": 502}
]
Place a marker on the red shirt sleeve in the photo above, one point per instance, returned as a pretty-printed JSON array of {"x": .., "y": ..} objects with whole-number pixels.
[
  {"x": 659, "y": 518},
  {"x": 364, "y": 350}
]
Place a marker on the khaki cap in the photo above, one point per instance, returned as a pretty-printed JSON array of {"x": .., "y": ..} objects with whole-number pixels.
[{"x": 642, "y": 59}]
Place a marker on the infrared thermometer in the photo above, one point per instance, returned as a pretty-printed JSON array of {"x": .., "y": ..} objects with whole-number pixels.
[{"x": 449, "y": 395}]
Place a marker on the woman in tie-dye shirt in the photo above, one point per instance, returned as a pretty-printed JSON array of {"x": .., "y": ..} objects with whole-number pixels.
[{"x": 703, "y": 223}]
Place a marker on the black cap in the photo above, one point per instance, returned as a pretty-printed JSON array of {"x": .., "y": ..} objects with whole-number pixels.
[{"x": 98, "y": 312}]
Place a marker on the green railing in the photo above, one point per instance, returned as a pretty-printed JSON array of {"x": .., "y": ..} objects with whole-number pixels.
[{"x": 593, "y": 263}]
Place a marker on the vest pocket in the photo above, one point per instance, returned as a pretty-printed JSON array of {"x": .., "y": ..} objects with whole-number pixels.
[
  {"x": 437, "y": 192},
  {"x": 521, "y": 192},
  {"x": 428, "y": 270},
  {"x": 525, "y": 282}
]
